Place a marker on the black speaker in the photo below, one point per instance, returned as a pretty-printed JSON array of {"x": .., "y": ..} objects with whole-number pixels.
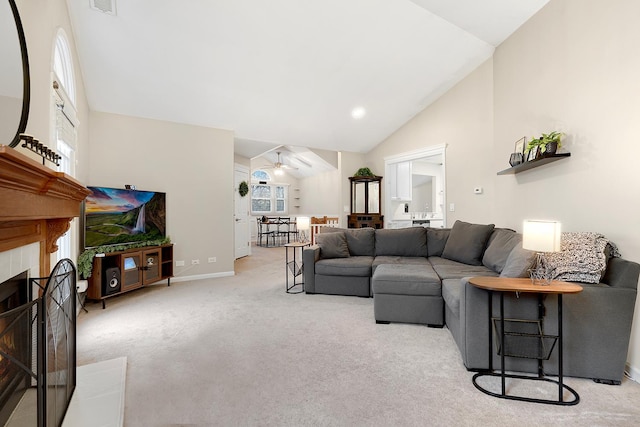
[{"x": 111, "y": 281}]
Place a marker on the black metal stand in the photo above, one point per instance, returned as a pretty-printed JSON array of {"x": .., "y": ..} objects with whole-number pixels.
[
  {"x": 293, "y": 268},
  {"x": 503, "y": 375}
]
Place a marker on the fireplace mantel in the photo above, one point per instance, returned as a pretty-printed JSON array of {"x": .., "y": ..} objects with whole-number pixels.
[{"x": 36, "y": 204}]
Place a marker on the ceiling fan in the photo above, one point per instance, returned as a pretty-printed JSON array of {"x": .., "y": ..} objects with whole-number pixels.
[{"x": 279, "y": 166}]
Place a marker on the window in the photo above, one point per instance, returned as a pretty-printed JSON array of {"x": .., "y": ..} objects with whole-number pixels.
[
  {"x": 63, "y": 67},
  {"x": 267, "y": 199},
  {"x": 261, "y": 198},
  {"x": 261, "y": 175},
  {"x": 64, "y": 123}
]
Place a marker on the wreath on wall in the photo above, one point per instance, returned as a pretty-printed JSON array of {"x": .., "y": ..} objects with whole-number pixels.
[{"x": 243, "y": 189}]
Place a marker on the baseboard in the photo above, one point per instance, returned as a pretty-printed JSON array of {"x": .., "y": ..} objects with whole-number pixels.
[
  {"x": 634, "y": 373},
  {"x": 202, "y": 276}
]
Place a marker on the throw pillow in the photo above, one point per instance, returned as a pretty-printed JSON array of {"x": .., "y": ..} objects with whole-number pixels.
[
  {"x": 501, "y": 242},
  {"x": 332, "y": 245},
  {"x": 436, "y": 239},
  {"x": 518, "y": 262},
  {"x": 361, "y": 241},
  {"x": 466, "y": 242}
]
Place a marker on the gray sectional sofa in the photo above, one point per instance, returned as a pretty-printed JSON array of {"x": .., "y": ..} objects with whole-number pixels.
[{"x": 420, "y": 275}]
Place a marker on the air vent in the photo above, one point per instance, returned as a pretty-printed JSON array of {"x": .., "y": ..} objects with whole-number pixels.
[{"x": 104, "y": 6}]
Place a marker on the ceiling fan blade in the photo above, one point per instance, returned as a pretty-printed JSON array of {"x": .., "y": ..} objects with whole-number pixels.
[{"x": 289, "y": 167}]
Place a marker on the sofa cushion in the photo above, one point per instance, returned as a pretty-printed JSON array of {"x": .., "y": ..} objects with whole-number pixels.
[
  {"x": 449, "y": 269},
  {"x": 361, "y": 241},
  {"x": 518, "y": 262},
  {"x": 405, "y": 260},
  {"x": 358, "y": 266},
  {"x": 501, "y": 242},
  {"x": 332, "y": 245},
  {"x": 401, "y": 242},
  {"x": 397, "y": 279},
  {"x": 436, "y": 239},
  {"x": 466, "y": 242}
]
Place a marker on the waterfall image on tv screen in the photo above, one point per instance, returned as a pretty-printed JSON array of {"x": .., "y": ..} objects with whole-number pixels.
[{"x": 117, "y": 216}]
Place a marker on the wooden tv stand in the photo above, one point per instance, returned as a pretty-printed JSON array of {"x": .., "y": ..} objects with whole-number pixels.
[{"x": 115, "y": 273}]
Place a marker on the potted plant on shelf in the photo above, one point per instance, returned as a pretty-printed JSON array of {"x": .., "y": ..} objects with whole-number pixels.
[
  {"x": 363, "y": 172},
  {"x": 548, "y": 143}
]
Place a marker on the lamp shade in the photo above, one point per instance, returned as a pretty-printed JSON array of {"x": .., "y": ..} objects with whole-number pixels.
[
  {"x": 303, "y": 223},
  {"x": 541, "y": 236}
]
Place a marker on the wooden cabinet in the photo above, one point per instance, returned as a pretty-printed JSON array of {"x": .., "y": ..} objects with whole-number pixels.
[
  {"x": 365, "y": 202},
  {"x": 119, "y": 272}
]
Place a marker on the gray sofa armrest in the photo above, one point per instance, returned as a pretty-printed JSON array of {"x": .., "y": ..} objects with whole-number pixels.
[
  {"x": 309, "y": 257},
  {"x": 622, "y": 273},
  {"x": 596, "y": 326}
]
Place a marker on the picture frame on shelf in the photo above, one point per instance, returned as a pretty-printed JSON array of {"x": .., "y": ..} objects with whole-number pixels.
[
  {"x": 533, "y": 153},
  {"x": 520, "y": 146}
]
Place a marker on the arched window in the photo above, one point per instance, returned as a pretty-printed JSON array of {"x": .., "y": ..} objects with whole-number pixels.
[
  {"x": 64, "y": 122},
  {"x": 260, "y": 175},
  {"x": 63, "y": 66}
]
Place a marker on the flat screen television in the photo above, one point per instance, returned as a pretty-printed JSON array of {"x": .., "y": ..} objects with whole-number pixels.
[{"x": 115, "y": 216}]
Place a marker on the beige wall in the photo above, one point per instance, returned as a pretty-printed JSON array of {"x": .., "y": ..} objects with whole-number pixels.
[
  {"x": 197, "y": 177},
  {"x": 573, "y": 67},
  {"x": 318, "y": 194},
  {"x": 241, "y": 160},
  {"x": 463, "y": 120}
]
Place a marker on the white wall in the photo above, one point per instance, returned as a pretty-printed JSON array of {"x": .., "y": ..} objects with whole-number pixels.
[
  {"x": 573, "y": 67},
  {"x": 197, "y": 177}
]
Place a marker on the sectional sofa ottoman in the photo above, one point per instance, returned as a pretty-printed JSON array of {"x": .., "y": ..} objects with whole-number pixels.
[{"x": 420, "y": 275}]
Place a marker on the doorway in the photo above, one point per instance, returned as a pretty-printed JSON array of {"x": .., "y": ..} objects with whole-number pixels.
[
  {"x": 241, "y": 214},
  {"x": 415, "y": 192}
]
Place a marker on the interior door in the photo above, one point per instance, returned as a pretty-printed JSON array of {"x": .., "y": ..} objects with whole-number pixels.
[{"x": 241, "y": 214}]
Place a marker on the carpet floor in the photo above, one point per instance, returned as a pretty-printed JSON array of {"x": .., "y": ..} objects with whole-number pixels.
[{"x": 240, "y": 351}]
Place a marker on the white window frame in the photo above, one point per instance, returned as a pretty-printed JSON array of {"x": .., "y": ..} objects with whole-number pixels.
[
  {"x": 273, "y": 196},
  {"x": 64, "y": 124}
]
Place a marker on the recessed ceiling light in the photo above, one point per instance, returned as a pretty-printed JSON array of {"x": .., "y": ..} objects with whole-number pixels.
[{"x": 358, "y": 113}]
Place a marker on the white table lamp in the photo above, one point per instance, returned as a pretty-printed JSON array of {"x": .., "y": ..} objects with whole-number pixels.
[
  {"x": 541, "y": 236},
  {"x": 303, "y": 223}
]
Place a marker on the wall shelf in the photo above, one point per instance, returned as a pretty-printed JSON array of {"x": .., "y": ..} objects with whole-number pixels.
[{"x": 534, "y": 163}]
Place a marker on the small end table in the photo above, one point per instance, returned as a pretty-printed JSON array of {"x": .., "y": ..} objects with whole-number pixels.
[
  {"x": 294, "y": 268},
  {"x": 502, "y": 285}
]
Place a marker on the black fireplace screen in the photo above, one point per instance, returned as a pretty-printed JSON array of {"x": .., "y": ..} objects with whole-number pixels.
[{"x": 51, "y": 320}]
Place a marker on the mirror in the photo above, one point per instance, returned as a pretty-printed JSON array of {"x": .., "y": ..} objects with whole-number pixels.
[
  {"x": 426, "y": 182},
  {"x": 374, "y": 200},
  {"x": 358, "y": 197},
  {"x": 14, "y": 75}
]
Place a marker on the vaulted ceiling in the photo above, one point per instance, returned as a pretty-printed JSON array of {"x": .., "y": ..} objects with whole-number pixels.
[{"x": 286, "y": 72}]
